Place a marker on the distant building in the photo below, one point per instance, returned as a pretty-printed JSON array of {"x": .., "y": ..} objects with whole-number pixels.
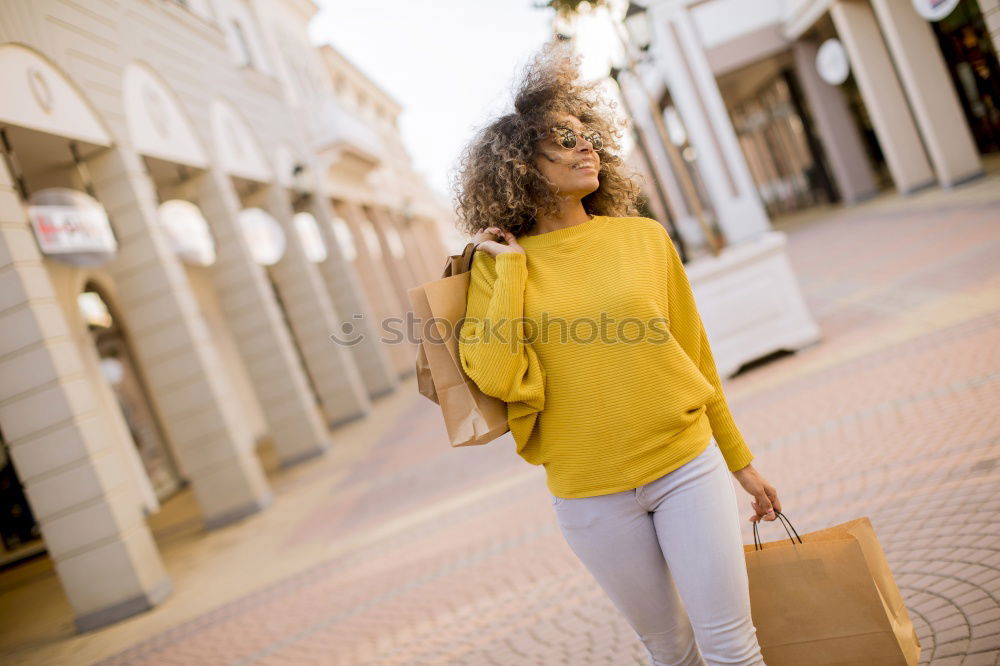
[{"x": 780, "y": 105}]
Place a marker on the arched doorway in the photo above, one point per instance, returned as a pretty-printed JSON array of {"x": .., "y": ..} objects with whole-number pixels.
[
  {"x": 267, "y": 245},
  {"x": 84, "y": 481},
  {"x": 119, "y": 369}
]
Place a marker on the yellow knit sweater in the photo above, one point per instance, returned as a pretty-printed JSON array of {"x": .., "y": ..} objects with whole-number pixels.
[{"x": 624, "y": 388}]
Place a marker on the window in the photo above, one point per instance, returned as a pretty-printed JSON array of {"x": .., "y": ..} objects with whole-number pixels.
[{"x": 243, "y": 35}]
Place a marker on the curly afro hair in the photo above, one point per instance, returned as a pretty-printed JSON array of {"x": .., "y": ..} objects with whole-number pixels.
[{"x": 496, "y": 182}]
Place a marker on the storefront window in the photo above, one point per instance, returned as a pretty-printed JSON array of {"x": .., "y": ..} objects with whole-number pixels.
[
  {"x": 971, "y": 59},
  {"x": 784, "y": 159}
]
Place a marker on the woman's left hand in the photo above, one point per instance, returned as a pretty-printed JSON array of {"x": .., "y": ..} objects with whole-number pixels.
[{"x": 765, "y": 496}]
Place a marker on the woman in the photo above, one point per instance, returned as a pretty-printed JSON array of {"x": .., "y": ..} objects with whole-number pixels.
[{"x": 581, "y": 318}]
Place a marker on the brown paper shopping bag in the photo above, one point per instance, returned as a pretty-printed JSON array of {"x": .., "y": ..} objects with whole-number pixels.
[
  {"x": 471, "y": 417},
  {"x": 828, "y": 599}
]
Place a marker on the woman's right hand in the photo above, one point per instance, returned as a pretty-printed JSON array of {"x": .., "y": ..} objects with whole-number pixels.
[{"x": 485, "y": 243}]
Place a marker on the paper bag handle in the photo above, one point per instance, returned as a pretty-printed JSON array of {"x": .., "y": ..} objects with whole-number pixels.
[
  {"x": 460, "y": 263},
  {"x": 784, "y": 523}
]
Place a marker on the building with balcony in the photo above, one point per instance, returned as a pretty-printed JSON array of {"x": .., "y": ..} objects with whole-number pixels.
[{"x": 190, "y": 212}]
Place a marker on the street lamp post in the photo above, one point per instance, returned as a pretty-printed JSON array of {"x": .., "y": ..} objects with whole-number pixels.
[{"x": 637, "y": 34}]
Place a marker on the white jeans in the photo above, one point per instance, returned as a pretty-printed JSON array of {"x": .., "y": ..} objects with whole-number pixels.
[{"x": 669, "y": 554}]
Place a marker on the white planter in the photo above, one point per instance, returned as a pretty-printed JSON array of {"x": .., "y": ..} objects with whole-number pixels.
[{"x": 750, "y": 302}]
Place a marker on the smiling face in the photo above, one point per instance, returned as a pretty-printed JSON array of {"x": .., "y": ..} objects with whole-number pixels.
[{"x": 573, "y": 171}]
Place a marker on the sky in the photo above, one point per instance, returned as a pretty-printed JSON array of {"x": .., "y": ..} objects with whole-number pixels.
[{"x": 451, "y": 64}]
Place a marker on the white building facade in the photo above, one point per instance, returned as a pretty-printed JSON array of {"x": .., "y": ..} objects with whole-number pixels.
[
  {"x": 174, "y": 266},
  {"x": 776, "y": 106},
  {"x": 796, "y": 103}
]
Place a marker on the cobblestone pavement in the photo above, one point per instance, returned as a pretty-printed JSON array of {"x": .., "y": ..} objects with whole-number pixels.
[{"x": 440, "y": 556}]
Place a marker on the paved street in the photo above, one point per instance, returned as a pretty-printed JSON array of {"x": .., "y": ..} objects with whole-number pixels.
[{"x": 396, "y": 549}]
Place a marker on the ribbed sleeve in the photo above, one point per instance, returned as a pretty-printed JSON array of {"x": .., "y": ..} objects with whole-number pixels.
[
  {"x": 492, "y": 348},
  {"x": 687, "y": 328}
]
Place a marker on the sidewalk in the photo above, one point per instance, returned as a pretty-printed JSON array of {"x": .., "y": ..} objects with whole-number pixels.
[{"x": 395, "y": 549}]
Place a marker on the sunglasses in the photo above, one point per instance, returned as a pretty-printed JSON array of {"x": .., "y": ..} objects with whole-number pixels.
[{"x": 566, "y": 137}]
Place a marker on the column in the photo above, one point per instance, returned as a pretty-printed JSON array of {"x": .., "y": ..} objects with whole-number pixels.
[
  {"x": 62, "y": 445},
  {"x": 990, "y": 10},
  {"x": 357, "y": 319},
  {"x": 692, "y": 84},
  {"x": 842, "y": 143},
  {"x": 381, "y": 294},
  {"x": 932, "y": 96},
  {"x": 311, "y": 315},
  {"x": 883, "y": 95},
  {"x": 179, "y": 359},
  {"x": 399, "y": 268},
  {"x": 264, "y": 342}
]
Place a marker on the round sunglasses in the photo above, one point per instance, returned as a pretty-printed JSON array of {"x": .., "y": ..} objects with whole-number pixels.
[{"x": 566, "y": 137}]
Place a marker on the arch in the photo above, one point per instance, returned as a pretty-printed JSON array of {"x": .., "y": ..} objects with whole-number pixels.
[
  {"x": 243, "y": 35},
  {"x": 236, "y": 149},
  {"x": 37, "y": 95},
  {"x": 117, "y": 364},
  {"x": 395, "y": 241},
  {"x": 157, "y": 124},
  {"x": 188, "y": 232},
  {"x": 307, "y": 229},
  {"x": 370, "y": 237},
  {"x": 263, "y": 234},
  {"x": 73, "y": 309},
  {"x": 345, "y": 238}
]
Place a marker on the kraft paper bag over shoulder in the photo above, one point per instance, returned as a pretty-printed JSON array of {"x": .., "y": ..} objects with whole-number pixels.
[
  {"x": 471, "y": 417},
  {"x": 828, "y": 598}
]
